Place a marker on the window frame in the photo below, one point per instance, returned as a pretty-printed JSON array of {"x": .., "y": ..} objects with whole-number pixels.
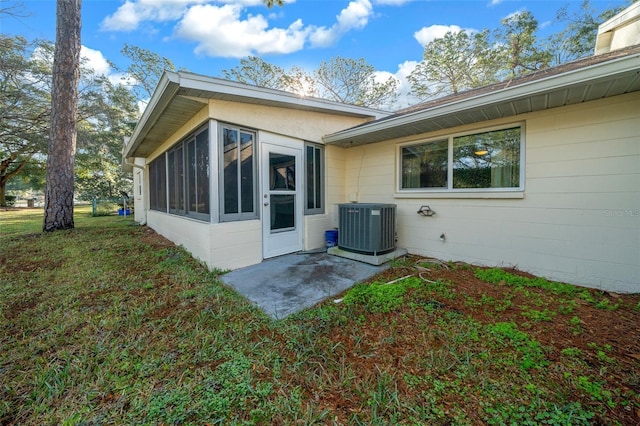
[
  {"x": 193, "y": 138},
  {"x": 158, "y": 194},
  {"x": 240, "y": 215},
  {"x": 179, "y": 182},
  {"x": 176, "y": 179},
  {"x": 320, "y": 179},
  {"x": 450, "y": 190}
]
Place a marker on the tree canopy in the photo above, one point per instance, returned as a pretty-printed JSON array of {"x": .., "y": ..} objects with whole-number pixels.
[{"x": 25, "y": 105}]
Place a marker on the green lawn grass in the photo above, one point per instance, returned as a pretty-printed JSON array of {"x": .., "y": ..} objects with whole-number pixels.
[{"x": 108, "y": 324}]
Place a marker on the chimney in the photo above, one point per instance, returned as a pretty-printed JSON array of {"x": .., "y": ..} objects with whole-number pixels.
[{"x": 623, "y": 30}]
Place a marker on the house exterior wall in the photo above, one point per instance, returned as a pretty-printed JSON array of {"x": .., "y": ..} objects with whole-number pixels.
[
  {"x": 231, "y": 245},
  {"x": 139, "y": 205},
  {"x": 577, "y": 221},
  {"x": 305, "y": 125},
  {"x": 316, "y": 225}
]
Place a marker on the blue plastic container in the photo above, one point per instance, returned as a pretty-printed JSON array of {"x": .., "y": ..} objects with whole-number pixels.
[{"x": 331, "y": 238}]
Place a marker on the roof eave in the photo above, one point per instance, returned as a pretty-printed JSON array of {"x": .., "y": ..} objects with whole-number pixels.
[
  {"x": 548, "y": 84},
  {"x": 175, "y": 84},
  {"x": 167, "y": 88}
]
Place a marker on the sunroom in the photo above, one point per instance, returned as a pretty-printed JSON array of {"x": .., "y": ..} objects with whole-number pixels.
[{"x": 237, "y": 173}]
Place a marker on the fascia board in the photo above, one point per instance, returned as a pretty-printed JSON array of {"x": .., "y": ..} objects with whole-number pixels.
[
  {"x": 625, "y": 17},
  {"x": 548, "y": 84},
  {"x": 231, "y": 88}
]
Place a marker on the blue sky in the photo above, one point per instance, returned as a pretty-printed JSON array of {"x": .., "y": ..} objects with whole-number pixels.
[{"x": 206, "y": 36}]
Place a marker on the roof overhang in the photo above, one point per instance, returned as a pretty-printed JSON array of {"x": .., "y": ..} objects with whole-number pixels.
[
  {"x": 181, "y": 95},
  {"x": 601, "y": 80}
]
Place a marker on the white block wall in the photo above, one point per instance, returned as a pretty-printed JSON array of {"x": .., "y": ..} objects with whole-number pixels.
[{"x": 578, "y": 220}]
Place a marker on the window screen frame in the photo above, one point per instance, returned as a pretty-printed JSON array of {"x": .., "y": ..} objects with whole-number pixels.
[
  {"x": 318, "y": 180},
  {"x": 222, "y": 184},
  {"x": 449, "y": 189}
]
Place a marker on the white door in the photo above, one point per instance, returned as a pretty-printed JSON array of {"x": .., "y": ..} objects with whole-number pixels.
[{"x": 282, "y": 208}]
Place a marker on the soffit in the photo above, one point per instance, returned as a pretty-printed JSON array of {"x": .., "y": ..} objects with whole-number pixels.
[
  {"x": 177, "y": 112},
  {"x": 181, "y": 95}
]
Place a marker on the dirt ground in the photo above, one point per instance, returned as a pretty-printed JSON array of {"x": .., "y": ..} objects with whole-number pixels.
[{"x": 617, "y": 330}]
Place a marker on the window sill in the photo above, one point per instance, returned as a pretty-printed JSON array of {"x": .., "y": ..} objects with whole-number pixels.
[{"x": 461, "y": 194}]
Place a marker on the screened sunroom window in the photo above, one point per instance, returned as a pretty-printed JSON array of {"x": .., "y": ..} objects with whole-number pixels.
[
  {"x": 237, "y": 173},
  {"x": 158, "y": 184},
  {"x": 198, "y": 174},
  {"x": 181, "y": 176},
  {"x": 488, "y": 160},
  {"x": 314, "y": 166}
]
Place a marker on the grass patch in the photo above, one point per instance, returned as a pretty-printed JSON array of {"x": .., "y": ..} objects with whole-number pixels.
[{"x": 109, "y": 323}]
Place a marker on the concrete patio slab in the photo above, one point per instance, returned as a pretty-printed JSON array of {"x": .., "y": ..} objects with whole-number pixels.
[{"x": 291, "y": 283}]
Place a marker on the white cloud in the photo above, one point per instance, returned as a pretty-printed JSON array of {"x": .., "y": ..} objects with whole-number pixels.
[
  {"x": 405, "y": 99},
  {"x": 95, "y": 61},
  {"x": 129, "y": 16},
  {"x": 428, "y": 34},
  {"x": 495, "y": 2},
  {"x": 224, "y": 29},
  {"x": 220, "y": 31},
  {"x": 355, "y": 16},
  {"x": 514, "y": 15}
]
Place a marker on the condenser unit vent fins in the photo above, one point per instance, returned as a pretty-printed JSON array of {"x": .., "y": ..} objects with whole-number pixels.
[{"x": 367, "y": 228}]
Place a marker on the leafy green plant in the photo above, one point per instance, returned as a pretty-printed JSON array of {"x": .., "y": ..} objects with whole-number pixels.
[
  {"x": 572, "y": 353},
  {"x": 537, "y": 413},
  {"x": 537, "y": 316},
  {"x": 380, "y": 297},
  {"x": 595, "y": 390},
  {"x": 576, "y": 325},
  {"x": 604, "y": 304},
  {"x": 105, "y": 208},
  {"x": 530, "y": 350},
  {"x": 497, "y": 275}
]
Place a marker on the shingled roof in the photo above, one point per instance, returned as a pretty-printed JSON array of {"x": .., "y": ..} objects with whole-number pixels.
[{"x": 583, "y": 80}]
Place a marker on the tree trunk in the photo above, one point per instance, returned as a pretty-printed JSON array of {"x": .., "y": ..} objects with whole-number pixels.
[{"x": 58, "y": 207}]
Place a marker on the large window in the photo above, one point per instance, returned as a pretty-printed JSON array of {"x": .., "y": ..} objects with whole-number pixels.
[
  {"x": 314, "y": 166},
  {"x": 478, "y": 161},
  {"x": 179, "y": 179},
  {"x": 237, "y": 174}
]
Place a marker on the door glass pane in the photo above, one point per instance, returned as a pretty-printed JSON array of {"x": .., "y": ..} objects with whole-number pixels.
[
  {"x": 282, "y": 211},
  {"x": 230, "y": 165},
  {"x": 282, "y": 172}
]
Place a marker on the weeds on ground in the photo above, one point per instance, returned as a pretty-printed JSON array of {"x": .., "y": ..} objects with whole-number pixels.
[{"x": 108, "y": 323}]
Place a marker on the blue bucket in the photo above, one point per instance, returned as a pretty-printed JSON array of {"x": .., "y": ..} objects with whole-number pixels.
[{"x": 331, "y": 238}]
